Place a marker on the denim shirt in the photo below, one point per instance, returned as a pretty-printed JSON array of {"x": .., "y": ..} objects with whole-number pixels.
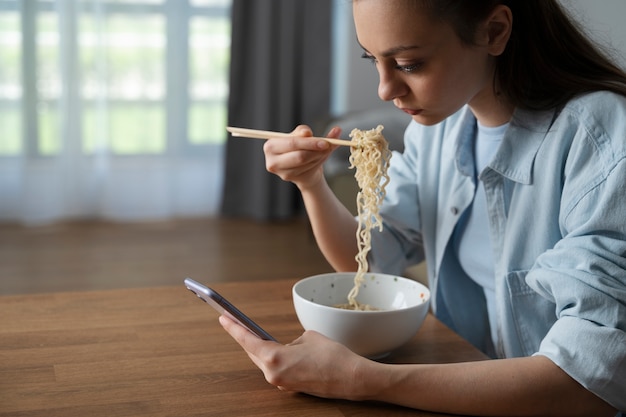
[{"x": 556, "y": 201}]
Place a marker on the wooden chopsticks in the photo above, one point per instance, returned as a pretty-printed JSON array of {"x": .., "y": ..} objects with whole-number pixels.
[{"x": 266, "y": 134}]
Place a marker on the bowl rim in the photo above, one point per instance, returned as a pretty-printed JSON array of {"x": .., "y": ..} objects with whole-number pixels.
[{"x": 425, "y": 301}]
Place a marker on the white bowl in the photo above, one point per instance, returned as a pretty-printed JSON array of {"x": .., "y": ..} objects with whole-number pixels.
[{"x": 402, "y": 303}]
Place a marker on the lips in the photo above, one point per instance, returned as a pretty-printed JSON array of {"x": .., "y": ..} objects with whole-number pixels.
[{"x": 412, "y": 112}]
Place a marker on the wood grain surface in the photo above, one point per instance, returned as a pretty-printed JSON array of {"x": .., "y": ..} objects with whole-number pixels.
[
  {"x": 97, "y": 255},
  {"x": 161, "y": 352}
]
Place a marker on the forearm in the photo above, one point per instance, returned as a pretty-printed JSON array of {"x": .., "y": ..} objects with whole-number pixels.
[
  {"x": 532, "y": 386},
  {"x": 333, "y": 225}
]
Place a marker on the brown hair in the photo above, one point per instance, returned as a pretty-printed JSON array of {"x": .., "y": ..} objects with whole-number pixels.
[{"x": 548, "y": 60}]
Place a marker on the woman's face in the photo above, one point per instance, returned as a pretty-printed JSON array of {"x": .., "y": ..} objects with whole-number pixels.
[{"x": 424, "y": 67}]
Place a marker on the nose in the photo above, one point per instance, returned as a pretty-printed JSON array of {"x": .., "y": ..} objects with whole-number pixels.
[{"x": 390, "y": 86}]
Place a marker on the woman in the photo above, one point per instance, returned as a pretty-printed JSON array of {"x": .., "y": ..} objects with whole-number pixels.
[{"x": 511, "y": 186}]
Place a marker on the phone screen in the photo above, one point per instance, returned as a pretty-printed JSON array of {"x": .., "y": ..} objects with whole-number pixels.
[{"x": 223, "y": 306}]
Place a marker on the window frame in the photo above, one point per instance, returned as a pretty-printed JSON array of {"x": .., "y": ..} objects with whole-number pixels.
[{"x": 176, "y": 101}]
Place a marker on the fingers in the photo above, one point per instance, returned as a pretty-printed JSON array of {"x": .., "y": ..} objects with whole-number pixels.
[
  {"x": 242, "y": 335},
  {"x": 334, "y": 133},
  {"x": 308, "y": 335},
  {"x": 299, "y": 141},
  {"x": 248, "y": 341},
  {"x": 299, "y": 158},
  {"x": 302, "y": 130},
  {"x": 296, "y": 159},
  {"x": 258, "y": 350},
  {"x": 311, "y": 364},
  {"x": 294, "y": 143}
]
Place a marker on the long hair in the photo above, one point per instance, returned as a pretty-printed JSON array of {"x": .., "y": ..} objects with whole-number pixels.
[{"x": 549, "y": 59}]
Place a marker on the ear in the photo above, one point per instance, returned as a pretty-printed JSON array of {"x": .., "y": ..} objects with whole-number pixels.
[{"x": 497, "y": 29}]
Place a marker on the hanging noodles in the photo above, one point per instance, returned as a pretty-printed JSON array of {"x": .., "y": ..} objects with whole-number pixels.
[{"x": 371, "y": 158}]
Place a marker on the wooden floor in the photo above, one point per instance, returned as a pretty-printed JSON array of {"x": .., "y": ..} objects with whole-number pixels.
[{"x": 94, "y": 255}]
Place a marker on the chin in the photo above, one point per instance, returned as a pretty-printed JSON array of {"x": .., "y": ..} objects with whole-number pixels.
[{"x": 428, "y": 120}]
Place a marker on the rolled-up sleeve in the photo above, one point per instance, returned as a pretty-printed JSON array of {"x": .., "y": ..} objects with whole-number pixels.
[{"x": 585, "y": 276}]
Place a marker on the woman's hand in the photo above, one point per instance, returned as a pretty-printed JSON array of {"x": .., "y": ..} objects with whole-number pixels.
[
  {"x": 314, "y": 364},
  {"x": 311, "y": 364},
  {"x": 299, "y": 159}
]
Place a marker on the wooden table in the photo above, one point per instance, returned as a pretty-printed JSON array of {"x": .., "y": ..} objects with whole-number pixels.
[{"x": 162, "y": 352}]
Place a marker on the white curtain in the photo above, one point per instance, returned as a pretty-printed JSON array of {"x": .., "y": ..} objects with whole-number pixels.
[{"x": 121, "y": 109}]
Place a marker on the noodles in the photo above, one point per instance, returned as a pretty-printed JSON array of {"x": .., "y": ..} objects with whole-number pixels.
[{"x": 371, "y": 159}]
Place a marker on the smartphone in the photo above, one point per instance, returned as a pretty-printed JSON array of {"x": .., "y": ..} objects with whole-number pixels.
[{"x": 223, "y": 306}]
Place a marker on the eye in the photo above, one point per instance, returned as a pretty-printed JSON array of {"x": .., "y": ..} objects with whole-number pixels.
[
  {"x": 409, "y": 68},
  {"x": 369, "y": 57}
]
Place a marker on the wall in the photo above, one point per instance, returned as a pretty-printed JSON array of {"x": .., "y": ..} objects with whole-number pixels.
[{"x": 356, "y": 81}]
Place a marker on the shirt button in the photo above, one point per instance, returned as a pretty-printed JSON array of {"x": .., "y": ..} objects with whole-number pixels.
[{"x": 454, "y": 210}]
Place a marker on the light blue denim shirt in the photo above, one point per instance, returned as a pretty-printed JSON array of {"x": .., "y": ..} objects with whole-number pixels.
[{"x": 556, "y": 200}]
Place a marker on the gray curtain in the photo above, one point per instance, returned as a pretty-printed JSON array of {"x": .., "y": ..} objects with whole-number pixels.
[{"x": 279, "y": 78}]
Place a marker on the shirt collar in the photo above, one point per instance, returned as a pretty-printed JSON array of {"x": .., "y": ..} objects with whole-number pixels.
[{"x": 521, "y": 142}]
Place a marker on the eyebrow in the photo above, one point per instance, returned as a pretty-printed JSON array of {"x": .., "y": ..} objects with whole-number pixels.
[{"x": 392, "y": 51}]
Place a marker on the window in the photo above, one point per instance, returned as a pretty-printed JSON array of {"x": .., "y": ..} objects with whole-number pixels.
[
  {"x": 10, "y": 81},
  {"x": 129, "y": 77},
  {"x": 209, "y": 45}
]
